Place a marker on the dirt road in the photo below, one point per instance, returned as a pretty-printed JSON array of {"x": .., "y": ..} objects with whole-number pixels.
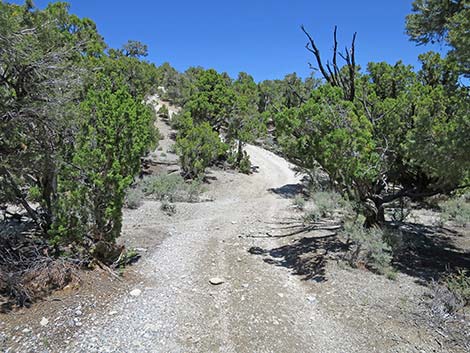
[
  {"x": 277, "y": 293},
  {"x": 258, "y": 308}
]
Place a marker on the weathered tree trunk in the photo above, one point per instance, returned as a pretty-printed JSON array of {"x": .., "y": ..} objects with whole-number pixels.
[
  {"x": 239, "y": 152},
  {"x": 374, "y": 213},
  {"x": 19, "y": 195},
  {"x": 49, "y": 191}
]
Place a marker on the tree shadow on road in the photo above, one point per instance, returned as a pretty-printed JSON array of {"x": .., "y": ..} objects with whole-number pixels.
[
  {"x": 429, "y": 252},
  {"x": 288, "y": 191},
  {"x": 306, "y": 257}
]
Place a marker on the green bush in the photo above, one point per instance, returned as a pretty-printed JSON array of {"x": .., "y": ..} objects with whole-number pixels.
[
  {"x": 134, "y": 197},
  {"x": 401, "y": 210},
  {"x": 456, "y": 210},
  {"x": 168, "y": 207},
  {"x": 116, "y": 131},
  {"x": 299, "y": 202},
  {"x": 182, "y": 121},
  {"x": 245, "y": 164},
  {"x": 163, "y": 112},
  {"x": 367, "y": 246},
  {"x": 459, "y": 284},
  {"x": 171, "y": 187},
  {"x": 198, "y": 147},
  {"x": 328, "y": 204}
]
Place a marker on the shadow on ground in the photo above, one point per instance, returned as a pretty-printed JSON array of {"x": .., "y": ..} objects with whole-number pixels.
[
  {"x": 288, "y": 191},
  {"x": 429, "y": 252},
  {"x": 306, "y": 257}
]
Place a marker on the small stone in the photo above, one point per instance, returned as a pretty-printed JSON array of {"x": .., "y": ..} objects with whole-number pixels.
[
  {"x": 26, "y": 330},
  {"x": 135, "y": 292},
  {"x": 216, "y": 281},
  {"x": 234, "y": 222},
  {"x": 114, "y": 312},
  {"x": 44, "y": 321},
  {"x": 78, "y": 312},
  {"x": 311, "y": 299},
  {"x": 281, "y": 295},
  {"x": 245, "y": 285}
]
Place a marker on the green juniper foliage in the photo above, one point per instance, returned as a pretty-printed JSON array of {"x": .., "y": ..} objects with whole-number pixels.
[{"x": 72, "y": 126}]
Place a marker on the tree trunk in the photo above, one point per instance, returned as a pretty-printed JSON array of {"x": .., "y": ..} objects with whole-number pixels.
[
  {"x": 374, "y": 212},
  {"x": 239, "y": 152},
  {"x": 49, "y": 191}
]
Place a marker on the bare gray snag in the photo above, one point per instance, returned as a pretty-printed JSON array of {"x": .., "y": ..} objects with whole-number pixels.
[{"x": 332, "y": 73}]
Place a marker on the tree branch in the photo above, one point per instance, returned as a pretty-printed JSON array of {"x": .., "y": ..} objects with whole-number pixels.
[{"x": 311, "y": 47}]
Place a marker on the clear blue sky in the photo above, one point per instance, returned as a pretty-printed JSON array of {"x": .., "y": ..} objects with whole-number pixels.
[{"x": 261, "y": 37}]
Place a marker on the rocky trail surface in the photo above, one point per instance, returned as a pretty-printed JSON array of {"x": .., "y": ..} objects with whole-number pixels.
[
  {"x": 250, "y": 306},
  {"x": 228, "y": 275},
  {"x": 206, "y": 288}
]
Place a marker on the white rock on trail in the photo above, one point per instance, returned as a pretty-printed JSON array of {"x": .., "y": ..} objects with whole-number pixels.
[
  {"x": 216, "y": 281},
  {"x": 44, "y": 321},
  {"x": 135, "y": 292}
]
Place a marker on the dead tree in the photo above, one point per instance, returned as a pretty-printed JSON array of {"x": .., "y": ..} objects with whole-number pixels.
[{"x": 331, "y": 72}]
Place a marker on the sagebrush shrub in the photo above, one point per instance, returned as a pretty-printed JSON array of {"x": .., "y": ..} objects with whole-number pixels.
[
  {"x": 459, "y": 284},
  {"x": 327, "y": 204},
  {"x": 367, "y": 246},
  {"x": 171, "y": 187},
  {"x": 456, "y": 210},
  {"x": 168, "y": 207},
  {"x": 163, "y": 112},
  {"x": 299, "y": 202},
  {"x": 134, "y": 198}
]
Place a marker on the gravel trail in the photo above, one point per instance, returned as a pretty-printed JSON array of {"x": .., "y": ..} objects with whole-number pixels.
[{"x": 257, "y": 308}]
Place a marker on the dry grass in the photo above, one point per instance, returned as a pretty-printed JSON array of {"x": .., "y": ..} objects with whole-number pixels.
[
  {"x": 27, "y": 271},
  {"x": 27, "y": 286}
]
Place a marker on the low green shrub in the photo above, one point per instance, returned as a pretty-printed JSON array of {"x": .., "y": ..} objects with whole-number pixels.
[
  {"x": 171, "y": 187},
  {"x": 456, "y": 210},
  {"x": 168, "y": 207},
  {"x": 367, "y": 246},
  {"x": 181, "y": 121},
  {"x": 245, "y": 164},
  {"x": 134, "y": 198},
  {"x": 299, "y": 202},
  {"x": 328, "y": 204},
  {"x": 163, "y": 112},
  {"x": 459, "y": 284}
]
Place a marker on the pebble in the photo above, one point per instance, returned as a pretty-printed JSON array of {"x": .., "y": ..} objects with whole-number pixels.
[
  {"x": 44, "y": 321},
  {"x": 135, "y": 292},
  {"x": 311, "y": 299},
  {"x": 216, "y": 281}
]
